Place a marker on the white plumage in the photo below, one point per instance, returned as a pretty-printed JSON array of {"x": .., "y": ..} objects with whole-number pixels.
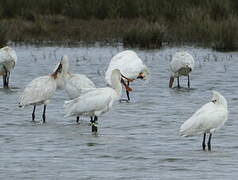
[
  {"x": 38, "y": 91},
  {"x": 181, "y": 65},
  {"x": 209, "y": 118},
  {"x": 77, "y": 84},
  {"x": 41, "y": 89},
  {"x": 130, "y": 66},
  {"x": 128, "y": 63},
  {"x": 8, "y": 60},
  {"x": 96, "y": 101}
]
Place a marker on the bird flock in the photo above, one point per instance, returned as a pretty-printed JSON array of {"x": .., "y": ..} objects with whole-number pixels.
[{"x": 85, "y": 99}]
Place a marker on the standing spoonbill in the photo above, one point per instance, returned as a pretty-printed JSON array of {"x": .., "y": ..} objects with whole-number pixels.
[
  {"x": 181, "y": 65},
  {"x": 8, "y": 59},
  {"x": 130, "y": 65},
  {"x": 209, "y": 118},
  {"x": 77, "y": 84},
  {"x": 96, "y": 101},
  {"x": 41, "y": 89}
]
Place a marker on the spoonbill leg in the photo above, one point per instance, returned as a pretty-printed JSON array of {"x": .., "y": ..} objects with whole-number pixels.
[
  {"x": 204, "y": 143},
  {"x": 188, "y": 81},
  {"x": 33, "y": 113},
  {"x": 209, "y": 142},
  {"x": 43, "y": 115},
  {"x": 95, "y": 124},
  {"x": 178, "y": 82},
  {"x": 127, "y": 92}
]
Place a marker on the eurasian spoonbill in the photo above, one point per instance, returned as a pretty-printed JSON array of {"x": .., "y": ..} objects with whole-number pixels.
[
  {"x": 41, "y": 89},
  {"x": 8, "y": 59},
  {"x": 77, "y": 84},
  {"x": 181, "y": 65},
  {"x": 130, "y": 65},
  {"x": 209, "y": 118},
  {"x": 96, "y": 101}
]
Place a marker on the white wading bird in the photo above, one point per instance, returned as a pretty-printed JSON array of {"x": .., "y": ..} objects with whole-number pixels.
[
  {"x": 96, "y": 101},
  {"x": 41, "y": 89},
  {"x": 8, "y": 59},
  {"x": 130, "y": 66},
  {"x": 209, "y": 118},
  {"x": 77, "y": 84},
  {"x": 181, "y": 65}
]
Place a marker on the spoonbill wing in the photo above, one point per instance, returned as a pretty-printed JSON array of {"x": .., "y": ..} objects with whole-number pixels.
[
  {"x": 208, "y": 117},
  {"x": 39, "y": 90}
]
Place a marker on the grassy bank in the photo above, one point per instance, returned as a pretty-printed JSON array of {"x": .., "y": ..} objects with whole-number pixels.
[{"x": 146, "y": 24}]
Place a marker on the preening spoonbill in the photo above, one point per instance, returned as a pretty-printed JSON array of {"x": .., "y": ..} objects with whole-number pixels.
[
  {"x": 77, "y": 84},
  {"x": 96, "y": 101},
  {"x": 8, "y": 59},
  {"x": 41, "y": 89},
  {"x": 209, "y": 118},
  {"x": 130, "y": 66},
  {"x": 181, "y": 65}
]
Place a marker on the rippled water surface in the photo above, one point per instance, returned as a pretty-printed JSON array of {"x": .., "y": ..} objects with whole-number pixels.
[{"x": 136, "y": 140}]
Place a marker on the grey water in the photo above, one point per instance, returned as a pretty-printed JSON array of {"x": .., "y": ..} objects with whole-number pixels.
[{"x": 136, "y": 140}]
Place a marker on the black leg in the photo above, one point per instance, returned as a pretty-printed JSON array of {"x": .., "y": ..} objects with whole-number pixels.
[
  {"x": 188, "y": 81},
  {"x": 43, "y": 116},
  {"x": 33, "y": 113},
  {"x": 6, "y": 78},
  {"x": 127, "y": 92},
  {"x": 178, "y": 82},
  {"x": 77, "y": 120},
  {"x": 204, "y": 143},
  {"x": 209, "y": 142},
  {"x": 91, "y": 119},
  {"x": 95, "y": 124}
]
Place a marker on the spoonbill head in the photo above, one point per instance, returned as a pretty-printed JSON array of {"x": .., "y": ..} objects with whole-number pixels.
[
  {"x": 182, "y": 64},
  {"x": 208, "y": 119},
  {"x": 8, "y": 60},
  {"x": 130, "y": 65}
]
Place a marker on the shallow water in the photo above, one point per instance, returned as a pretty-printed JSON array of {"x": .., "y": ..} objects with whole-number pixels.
[{"x": 136, "y": 140}]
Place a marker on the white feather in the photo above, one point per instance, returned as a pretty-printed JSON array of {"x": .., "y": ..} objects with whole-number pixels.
[{"x": 78, "y": 84}]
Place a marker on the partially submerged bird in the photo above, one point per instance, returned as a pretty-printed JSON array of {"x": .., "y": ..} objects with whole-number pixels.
[
  {"x": 8, "y": 59},
  {"x": 182, "y": 64},
  {"x": 130, "y": 65},
  {"x": 77, "y": 84},
  {"x": 209, "y": 118},
  {"x": 96, "y": 101},
  {"x": 41, "y": 89}
]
